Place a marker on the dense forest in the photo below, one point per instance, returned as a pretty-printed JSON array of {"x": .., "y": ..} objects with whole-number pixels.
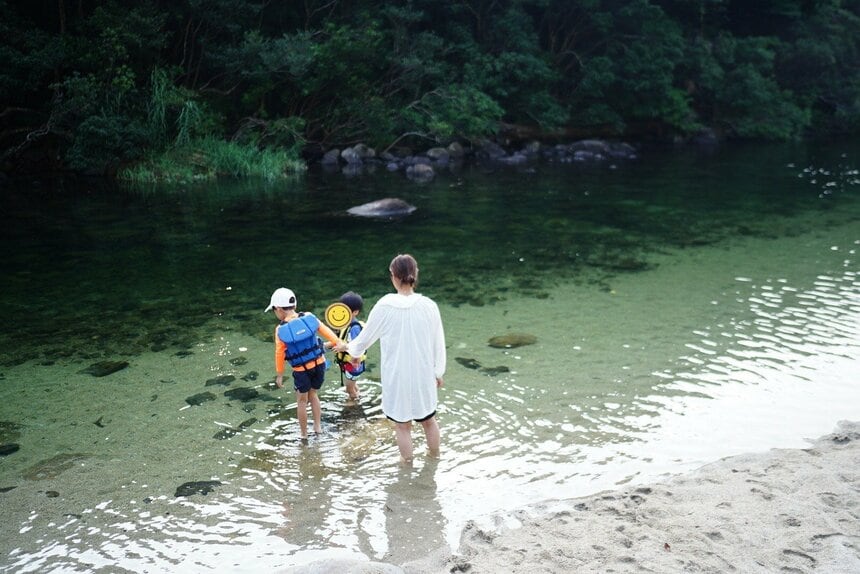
[{"x": 98, "y": 86}]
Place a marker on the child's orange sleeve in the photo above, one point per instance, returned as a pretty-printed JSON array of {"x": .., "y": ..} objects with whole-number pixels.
[
  {"x": 280, "y": 354},
  {"x": 328, "y": 333}
]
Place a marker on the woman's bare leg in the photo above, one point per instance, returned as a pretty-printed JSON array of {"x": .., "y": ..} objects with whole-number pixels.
[
  {"x": 433, "y": 435},
  {"x": 403, "y": 433}
]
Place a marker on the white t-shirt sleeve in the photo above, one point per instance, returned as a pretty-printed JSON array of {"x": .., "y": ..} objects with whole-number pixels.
[
  {"x": 369, "y": 334},
  {"x": 439, "y": 355}
]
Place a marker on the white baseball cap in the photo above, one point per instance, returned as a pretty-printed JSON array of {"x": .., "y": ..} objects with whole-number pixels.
[{"x": 282, "y": 297}]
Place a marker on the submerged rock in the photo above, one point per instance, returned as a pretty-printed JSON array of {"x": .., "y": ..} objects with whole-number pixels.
[
  {"x": 203, "y": 487},
  {"x": 231, "y": 432},
  {"x": 468, "y": 363},
  {"x": 225, "y": 433},
  {"x": 512, "y": 340},
  {"x": 473, "y": 364},
  {"x": 9, "y": 431},
  {"x": 7, "y": 449},
  {"x": 104, "y": 368},
  {"x": 242, "y": 394},
  {"x": 54, "y": 466},
  {"x": 200, "y": 398},
  {"x": 493, "y": 371},
  {"x": 222, "y": 380}
]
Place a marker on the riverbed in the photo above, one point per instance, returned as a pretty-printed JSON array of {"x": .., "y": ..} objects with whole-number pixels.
[{"x": 684, "y": 307}]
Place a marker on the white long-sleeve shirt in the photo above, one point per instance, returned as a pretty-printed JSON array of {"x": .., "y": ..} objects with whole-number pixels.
[{"x": 412, "y": 346}]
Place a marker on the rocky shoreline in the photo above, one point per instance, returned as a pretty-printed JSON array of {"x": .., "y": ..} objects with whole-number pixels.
[{"x": 423, "y": 166}]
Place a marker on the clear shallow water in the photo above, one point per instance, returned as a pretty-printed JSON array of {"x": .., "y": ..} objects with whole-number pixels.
[{"x": 686, "y": 307}]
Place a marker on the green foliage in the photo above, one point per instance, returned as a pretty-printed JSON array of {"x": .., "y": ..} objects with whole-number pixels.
[
  {"x": 118, "y": 81},
  {"x": 750, "y": 101},
  {"x": 210, "y": 158},
  {"x": 105, "y": 141},
  {"x": 455, "y": 111}
]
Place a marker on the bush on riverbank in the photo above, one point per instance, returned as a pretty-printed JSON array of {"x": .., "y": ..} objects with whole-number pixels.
[{"x": 210, "y": 158}]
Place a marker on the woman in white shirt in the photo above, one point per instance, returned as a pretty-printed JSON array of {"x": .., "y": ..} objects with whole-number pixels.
[{"x": 412, "y": 345}]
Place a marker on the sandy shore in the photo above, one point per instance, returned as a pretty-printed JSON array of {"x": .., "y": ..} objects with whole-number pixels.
[{"x": 787, "y": 510}]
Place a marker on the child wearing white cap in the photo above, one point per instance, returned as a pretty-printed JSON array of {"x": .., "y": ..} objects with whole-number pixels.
[{"x": 297, "y": 343}]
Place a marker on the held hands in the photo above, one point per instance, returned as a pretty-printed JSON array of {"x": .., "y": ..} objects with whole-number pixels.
[{"x": 340, "y": 347}]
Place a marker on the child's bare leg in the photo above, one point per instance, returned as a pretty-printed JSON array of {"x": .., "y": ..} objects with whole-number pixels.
[
  {"x": 403, "y": 433},
  {"x": 434, "y": 438},
  {"x": 315, "y": 409},
  {"x": 302, "y": 413},
  {"x": 351, "y": 388}
]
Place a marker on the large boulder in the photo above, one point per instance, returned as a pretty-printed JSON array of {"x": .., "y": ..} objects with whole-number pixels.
[
  {"x": 331, "y": 157},
  {"x": 352, "y": 157},
  {"x": 420, "y": 172},
  {"x": 490, "y": 150},
  {"x": 438, "y": 154},
  {"x": 363, "y": 151},
  {"x": 455, "y": 150},
  {"x": 388, "y": 208}
]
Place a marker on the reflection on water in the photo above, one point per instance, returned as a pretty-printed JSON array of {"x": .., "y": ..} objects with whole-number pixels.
[{"x": 676, "y": 311}]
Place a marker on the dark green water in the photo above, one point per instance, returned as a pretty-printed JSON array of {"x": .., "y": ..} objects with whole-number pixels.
[
  {"x": 685, "y": 306},
  {"x": 136, "y": 268}
]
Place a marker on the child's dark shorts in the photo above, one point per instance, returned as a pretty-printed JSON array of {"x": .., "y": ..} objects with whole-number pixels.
[{"x": 304, "y": 381}]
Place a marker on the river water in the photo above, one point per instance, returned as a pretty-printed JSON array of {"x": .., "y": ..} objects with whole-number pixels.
[{"x": 685, "y": 306}]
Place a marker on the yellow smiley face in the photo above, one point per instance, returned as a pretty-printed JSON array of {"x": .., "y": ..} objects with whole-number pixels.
[{"x": 338, "y": 315}]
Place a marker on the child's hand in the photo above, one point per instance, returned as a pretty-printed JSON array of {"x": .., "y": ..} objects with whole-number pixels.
[
  {"x": 440, "y": 383},
  {"x": 279, "y": 381}
]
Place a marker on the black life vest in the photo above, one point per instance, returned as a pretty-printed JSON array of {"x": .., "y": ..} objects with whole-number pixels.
[{"x": 344, "y": 359}]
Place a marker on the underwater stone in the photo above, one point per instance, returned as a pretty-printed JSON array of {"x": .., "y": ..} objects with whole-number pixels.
[
  {"x": 203, "y": 487},
  {"x": 493, "y": 371},
  {"x": 225, "y": 433},
  {"x": 200, "y": 398},
  {"x": 54, "y": 466},
  {"x": 261, "y": 461},
  {"x": 512, "y": 340},
  {"x": 252, "y": 376},
  {"x": 7, "y": 488},
  {"x": 104, "y": 368},
  {"x": 231, "y": 432},
  {"x": 238, "y": 361},
  {"x": 242, "y": 394},
  {"x": 222, "y": 380},
  {"x": 246, "y": 423},
  {"x": 468, "y": 363},
  {"x": 9, "y": 431},
  {"x": 7, "y": 449}
]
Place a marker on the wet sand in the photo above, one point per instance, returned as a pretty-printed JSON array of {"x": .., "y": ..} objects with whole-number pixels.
[{"x": 786, "y": 510}]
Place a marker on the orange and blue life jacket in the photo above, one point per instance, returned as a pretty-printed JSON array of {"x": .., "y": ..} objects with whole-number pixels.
[{"x": 300, "y": 336}]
